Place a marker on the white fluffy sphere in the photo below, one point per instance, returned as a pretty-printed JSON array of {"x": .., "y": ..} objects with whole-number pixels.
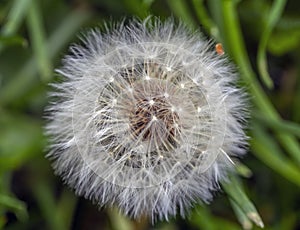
[{"x": 147, "y": 118}]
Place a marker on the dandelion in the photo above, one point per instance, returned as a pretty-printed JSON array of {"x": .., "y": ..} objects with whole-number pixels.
[{"x": 146, "y": 119}]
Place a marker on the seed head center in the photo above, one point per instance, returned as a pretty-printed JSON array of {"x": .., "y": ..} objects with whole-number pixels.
[{"x": 153, "y": 120}]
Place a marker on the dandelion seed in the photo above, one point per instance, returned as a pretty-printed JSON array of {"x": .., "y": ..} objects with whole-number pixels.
[
  {"x": 168, "y": 68},
  {"x": 148, "y": 119},
  {"x": 151, "y": 102}
]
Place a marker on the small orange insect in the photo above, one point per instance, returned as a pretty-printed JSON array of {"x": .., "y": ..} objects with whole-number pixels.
[{"x": 219, "y": 49}]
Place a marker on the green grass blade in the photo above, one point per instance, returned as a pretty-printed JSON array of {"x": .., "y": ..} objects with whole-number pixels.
[
  {"x": 268, "y": 151},
  {"x": 17, "y": 206},
  {"x": 236, "y": 192},
  {"x": 205, "y": 19},
  {"x": 180, "y": 9},
  {"x": 138, "y": 7},
  {"x": 235, "y": 45},
  {"x": 278, "y": 125},
  {"x": 12, "y": 40},
  {"x": 37, "y": 37},
  {"x": 47, "y": 205},
  {"x": 203, "y": 218},
  {"x": 119, "y": 221},
  {"x": 66, "y": 208},
  {"x": 243, "y": 170},
  {"x": 241, "y": 216},
  {"x": 274, "y": 16},
  {"x": 26, "y": 77},
  {"x": 14, "y": 19}
]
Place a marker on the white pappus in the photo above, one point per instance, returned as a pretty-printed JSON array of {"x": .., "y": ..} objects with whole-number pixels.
[{"x": 147, "y": 118}]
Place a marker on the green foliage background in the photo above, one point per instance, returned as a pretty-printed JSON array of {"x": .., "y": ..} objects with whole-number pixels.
[{"x": 261, "y": 36}]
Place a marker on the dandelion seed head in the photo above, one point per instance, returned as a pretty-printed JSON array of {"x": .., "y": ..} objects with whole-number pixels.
[{"x": 148, "y": 119}]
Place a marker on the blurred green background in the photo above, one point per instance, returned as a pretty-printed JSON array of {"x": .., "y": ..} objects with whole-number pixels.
[{"x": 261, "y": 36}]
